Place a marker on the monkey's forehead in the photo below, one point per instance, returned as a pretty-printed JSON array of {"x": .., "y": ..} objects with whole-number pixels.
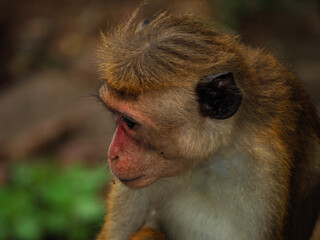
[
  {"x": 135, "y": 85},
  {"x": 173, "y": 94},
  {"x": 155, "y": 106},
  {"x": 128, "y": 94}
]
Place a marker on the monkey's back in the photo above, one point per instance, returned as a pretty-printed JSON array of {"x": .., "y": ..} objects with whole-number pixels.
[{"x": 281, "y": 104}]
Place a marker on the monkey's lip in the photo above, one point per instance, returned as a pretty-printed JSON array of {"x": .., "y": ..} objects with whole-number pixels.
[
  {"x": 138, "y": 182},
  {"x": 130, "y": 180}
]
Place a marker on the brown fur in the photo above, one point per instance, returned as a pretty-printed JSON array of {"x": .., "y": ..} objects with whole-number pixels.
[
  {"x": 176, "y": 51},
  {"x": 135, "y": 62},
  {"x": 148, "y": 234},
  {"x": 143, "y": 234}
]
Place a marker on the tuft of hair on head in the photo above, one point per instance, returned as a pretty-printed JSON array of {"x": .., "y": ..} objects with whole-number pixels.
[{"x": 165, "y": 51}]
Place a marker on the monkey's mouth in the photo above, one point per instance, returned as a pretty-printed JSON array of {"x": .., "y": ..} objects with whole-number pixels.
[
  {"x": 138, "y": 182},
  {"x": 130, "y": 180}
]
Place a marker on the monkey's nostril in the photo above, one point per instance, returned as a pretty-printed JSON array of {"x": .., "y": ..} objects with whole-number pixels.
[{"x": 114, "y": 158}]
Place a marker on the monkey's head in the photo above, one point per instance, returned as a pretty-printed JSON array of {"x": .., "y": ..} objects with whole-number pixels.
[{"x": 172, "y": 85}]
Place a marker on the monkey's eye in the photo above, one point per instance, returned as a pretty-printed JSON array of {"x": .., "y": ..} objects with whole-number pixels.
[{"x": 129, "y": 122}]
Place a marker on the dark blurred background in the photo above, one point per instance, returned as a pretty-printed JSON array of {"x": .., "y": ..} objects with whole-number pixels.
[{"x": 54, "y": 136}]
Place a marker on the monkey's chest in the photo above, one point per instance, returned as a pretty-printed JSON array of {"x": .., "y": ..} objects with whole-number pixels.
[
  {"x": 190, "y": 216},
  {"x": 220, "y": 206}
]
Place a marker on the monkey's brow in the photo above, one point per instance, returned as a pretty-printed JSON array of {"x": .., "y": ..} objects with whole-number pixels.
[
  {"x": 107, "y": 106},
  {"x": 113, "y": 110}
]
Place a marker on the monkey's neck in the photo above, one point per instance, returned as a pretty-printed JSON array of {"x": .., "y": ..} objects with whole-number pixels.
[{"x": 229, "y": 164}]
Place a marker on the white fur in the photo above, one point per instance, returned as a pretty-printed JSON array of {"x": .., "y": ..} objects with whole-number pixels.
[{"x": 220, "y": 200}]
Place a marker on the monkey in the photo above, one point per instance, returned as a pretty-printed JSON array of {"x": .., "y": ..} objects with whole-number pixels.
[{"x": 214, "y": 139}]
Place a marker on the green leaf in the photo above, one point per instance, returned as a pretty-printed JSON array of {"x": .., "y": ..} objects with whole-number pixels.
[{"x": 44, "y": 199}]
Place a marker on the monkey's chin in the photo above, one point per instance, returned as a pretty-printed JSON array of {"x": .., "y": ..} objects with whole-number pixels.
[{"x": 138, "y": 182}]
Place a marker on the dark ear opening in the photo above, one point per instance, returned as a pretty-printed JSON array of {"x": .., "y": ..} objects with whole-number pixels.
[{"x": 218, "y": 95}]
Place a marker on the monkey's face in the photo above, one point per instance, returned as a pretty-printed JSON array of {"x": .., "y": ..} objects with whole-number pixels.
[
  {"x": 144, "y": 147},
  {"x": 164, "y": 133}
]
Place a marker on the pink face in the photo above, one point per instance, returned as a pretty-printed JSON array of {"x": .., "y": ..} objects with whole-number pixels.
[{"x": 136, "y": 164}]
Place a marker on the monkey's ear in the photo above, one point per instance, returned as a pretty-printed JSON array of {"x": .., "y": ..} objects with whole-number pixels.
[{"x": 218, "y": 95}]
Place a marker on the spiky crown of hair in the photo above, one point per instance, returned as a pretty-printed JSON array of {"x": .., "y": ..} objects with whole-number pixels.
[{"x": 169, "y": 51}]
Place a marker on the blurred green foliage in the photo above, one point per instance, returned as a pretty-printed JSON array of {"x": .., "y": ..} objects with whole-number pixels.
[{"x": 45, "y": 201}]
